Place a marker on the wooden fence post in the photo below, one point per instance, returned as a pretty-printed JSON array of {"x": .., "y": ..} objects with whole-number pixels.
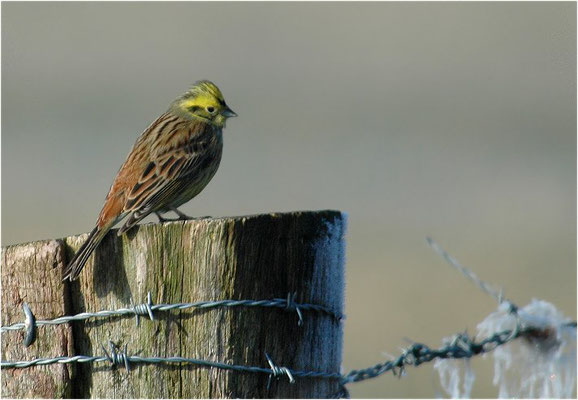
[
  {"x": 30, "y": 274},
  {"x": 257, "y": 257}
]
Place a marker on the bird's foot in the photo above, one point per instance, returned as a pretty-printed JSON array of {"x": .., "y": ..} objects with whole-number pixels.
[
  {"x": 163, "y": 219},
  {"x": 182, "y": 216}
]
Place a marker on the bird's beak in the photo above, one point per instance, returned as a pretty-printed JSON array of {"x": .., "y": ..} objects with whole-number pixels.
[{"x": 228, "y": 113}]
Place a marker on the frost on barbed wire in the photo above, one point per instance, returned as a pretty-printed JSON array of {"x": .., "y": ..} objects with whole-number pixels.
[
  {"x": 450, "y": 371},
  {"x": 540, "y": 364}
]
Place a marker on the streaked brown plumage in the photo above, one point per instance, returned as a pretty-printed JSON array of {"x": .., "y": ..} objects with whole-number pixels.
[{"x": 171, "y": 162}]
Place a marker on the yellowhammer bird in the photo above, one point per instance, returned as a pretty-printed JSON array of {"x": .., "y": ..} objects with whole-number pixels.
[{"x": 170, "y": 163}]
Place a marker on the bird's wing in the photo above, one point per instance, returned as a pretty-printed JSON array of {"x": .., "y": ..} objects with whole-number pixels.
[{"x": 164, "y": 178}]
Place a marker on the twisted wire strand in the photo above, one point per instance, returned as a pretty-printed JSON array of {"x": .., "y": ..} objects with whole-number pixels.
[
  {"x": 148, "y": 308},
  {"x": 498, "y": 295},
  {"x": 118, "y": 357},
  {"x": 462, "y": 346},
  {"x": 469, "y": 274}
]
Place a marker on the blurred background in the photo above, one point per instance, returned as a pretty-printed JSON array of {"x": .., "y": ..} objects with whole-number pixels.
[{"x": 454, "y": 120}]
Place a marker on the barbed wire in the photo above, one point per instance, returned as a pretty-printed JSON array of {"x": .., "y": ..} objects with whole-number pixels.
[
  {"x": 460, "y": 347},
  {"x": 118, "y": 357},
  {"x": 498, "y": 295},
  {"x": 148, "y": 309}
]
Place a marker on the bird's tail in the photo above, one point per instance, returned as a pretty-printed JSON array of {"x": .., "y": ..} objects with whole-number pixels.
[{"x": 75, "y": 265}]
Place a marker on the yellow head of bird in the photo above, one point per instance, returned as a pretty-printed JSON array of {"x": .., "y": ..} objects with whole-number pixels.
[{"x": 204, "y": 101}]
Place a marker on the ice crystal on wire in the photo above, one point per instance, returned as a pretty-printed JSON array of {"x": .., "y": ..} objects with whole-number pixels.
[
  {"x": 540, "y": 364},
  {"x": 450, "y": 371}
]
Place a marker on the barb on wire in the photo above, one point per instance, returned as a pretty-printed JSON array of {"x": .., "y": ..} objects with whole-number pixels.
[
  {"x": 293, "y": 306},
  {"x": 144, "y": 309},
  {"x": 117, "y": 357},
  {"x": 149, "y": 308},
  {"x": 278, "y": 371},
  {"x": 30, "y": 325}
]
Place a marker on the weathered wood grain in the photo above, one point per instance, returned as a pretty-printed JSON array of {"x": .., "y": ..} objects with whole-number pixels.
[
  {"x": 254, "y": 257},
  {"x": 31, "y": 274}
]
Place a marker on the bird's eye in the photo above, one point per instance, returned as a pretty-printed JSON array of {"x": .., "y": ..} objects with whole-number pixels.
[{"x": 211, "y": 109}]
